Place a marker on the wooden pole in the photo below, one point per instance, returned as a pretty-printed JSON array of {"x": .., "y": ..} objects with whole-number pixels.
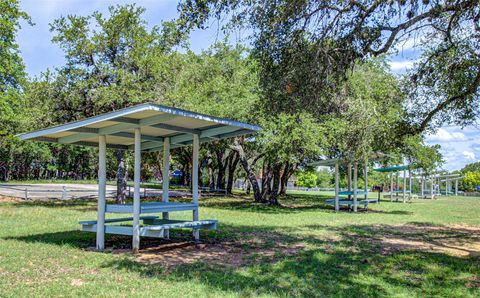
[
  {"x": 456, "y": 187},
  {"x": 404, "y": 185},
  {"x": 196, "y": 145},
  {"x": 165, "y": 173},
  {"x": 355, "y": 177},
  {"x": 337, "y": 186},
  {"x": 136, "y": 192},
  {"x": 102, "y": 184}
]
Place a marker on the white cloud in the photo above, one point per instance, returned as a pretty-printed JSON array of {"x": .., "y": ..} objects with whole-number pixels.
[
  {"x": 459, "y": 146},
  {"x": 469, "y": 154},
  {"x": 401, "y": 65},
  {"x": 443, "y": 135}
]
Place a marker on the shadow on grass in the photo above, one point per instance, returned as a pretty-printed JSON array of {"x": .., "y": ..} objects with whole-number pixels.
[
  {"x": 345, "y": 261},
  {"x": 353, "y": 264},
  {"x": 288, "y": 204}
]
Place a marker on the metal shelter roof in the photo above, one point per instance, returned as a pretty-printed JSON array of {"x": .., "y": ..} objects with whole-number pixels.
[
  {"x": 156, "y": 121},
  {"x": 393, "y": 169},
  {"x": 376, "y": 156}
]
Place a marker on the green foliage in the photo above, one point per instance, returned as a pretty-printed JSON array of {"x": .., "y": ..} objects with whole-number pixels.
[
  {"x": 305, "y": 48},
  {"x": 112, "y": 62},
  {"x": 471, "y": 180},
  {"x": 420, "y": 156},
  {"x": 220, "y": 81},
  {"x": 11, "y": 65},
  {"x": 290, "y": 138},
  {"x": 325, "y": 178},
  {"x": 471, "y": 167},
  {"x": 306, "y": 179},
  {"x": 369, "y": 113}
]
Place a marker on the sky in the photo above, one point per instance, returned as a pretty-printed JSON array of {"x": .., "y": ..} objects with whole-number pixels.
[{"x": 459, "y": 146}]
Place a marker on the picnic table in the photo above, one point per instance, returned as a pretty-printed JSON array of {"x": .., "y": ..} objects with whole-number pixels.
[{"x": 349, "y": 202}]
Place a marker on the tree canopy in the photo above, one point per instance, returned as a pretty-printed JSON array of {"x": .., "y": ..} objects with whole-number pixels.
[
  {"x": 306, "y": 47},
  {"x": 314, "y": 95}
]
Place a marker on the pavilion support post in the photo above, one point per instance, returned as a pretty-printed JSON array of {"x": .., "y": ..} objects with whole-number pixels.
[
  {"x": 136, "y": 192},
  {"x": 337, "y": 186},
  {"x": 196, "y": 145},
  {"x": 391, "y": 186},
  {"x": 410, "y": 181},
  {"x": 439, "y": 187},
  {"x": 456, "y": 187},
  {"x": 165, "y": 174},
  {"x": 397, "y": 188},
  {"x": 422, "y": 185},
  {"x": 102, "y": 184},
  {"x": 365, "y": 182},
  {"x": 355, "y": 195},
  {"x": 349, "y": 179},
  {"x": 431, "y": 187},
  {"x": 404, "y": 185}
]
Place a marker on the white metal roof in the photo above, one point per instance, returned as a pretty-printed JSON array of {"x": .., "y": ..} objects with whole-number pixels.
[
  {"x": 376, "y": 156},
  {"x": 156, "y": 121}
]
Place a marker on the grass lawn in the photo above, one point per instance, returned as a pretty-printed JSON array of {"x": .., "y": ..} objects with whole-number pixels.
[{"x": 426, "y": 248}]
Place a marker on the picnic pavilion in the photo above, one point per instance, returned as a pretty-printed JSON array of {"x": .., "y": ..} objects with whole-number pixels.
[
  {"x": 350, "y": 197},
  {"x": 143, "y": 128},
  {"x": 395, "y": 170}
]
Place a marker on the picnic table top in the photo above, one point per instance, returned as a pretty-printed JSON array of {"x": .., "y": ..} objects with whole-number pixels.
[{"x": 350, "y": 193}]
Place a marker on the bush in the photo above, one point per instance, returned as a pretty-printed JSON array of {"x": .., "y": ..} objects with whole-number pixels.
[{"x": 307, "y": 179}]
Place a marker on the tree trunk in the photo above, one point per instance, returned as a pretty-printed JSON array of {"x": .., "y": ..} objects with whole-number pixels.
[
  {"x": 121, "y": 179},
  {"x": 232, "y": 166},
  {"x": 248, "y": 186},
  {"x": 273, "y": 197},
  {"x": 248, "y": 170},
  {"x": 266, "y": 181},
  {"x": 220, "y": 153},
  {"x": 211, "y": 176},
  {"x": 284, "y": 179}
]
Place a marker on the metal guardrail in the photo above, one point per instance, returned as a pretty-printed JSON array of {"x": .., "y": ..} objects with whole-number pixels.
[{"x": 64, "y": 191}]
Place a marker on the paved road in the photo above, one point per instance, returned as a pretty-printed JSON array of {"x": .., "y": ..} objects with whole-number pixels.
[{"x": 54, "y": 190}]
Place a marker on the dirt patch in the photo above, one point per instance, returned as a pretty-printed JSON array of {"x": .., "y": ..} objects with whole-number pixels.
[
  {"x": 455, "y": 240},
  {"x": 77, "y": 282},
  {"x": 225, "y": 254},
  {"x": 5, "y": 199},
  {"x": 228, "y": 253}
]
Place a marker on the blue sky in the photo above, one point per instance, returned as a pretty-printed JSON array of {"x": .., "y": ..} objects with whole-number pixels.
[{"x": 459, "y": 147}]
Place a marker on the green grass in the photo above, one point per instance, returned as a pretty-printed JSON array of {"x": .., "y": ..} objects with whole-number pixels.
[{"x": 335, "y": 255}]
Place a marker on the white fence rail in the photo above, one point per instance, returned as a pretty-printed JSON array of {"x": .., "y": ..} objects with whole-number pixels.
[{"x": 27, "y": 192}]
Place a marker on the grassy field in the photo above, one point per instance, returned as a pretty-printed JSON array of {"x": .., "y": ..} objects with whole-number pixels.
[{"x": 426, "y": 248}]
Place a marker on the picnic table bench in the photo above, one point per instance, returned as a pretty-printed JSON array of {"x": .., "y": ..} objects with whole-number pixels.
[{"x": 153, "y": 226}]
